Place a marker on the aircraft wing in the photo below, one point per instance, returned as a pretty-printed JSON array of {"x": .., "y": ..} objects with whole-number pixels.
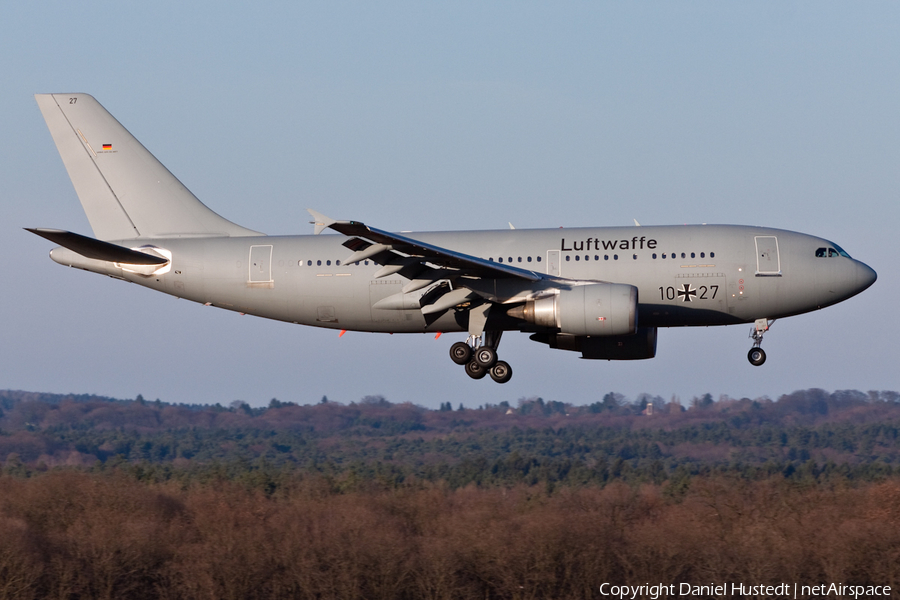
[{"x": 401, "y": 254}]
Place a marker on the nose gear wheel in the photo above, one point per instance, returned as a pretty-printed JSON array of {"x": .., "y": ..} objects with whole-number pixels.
[{"x": 756, "y": 356}]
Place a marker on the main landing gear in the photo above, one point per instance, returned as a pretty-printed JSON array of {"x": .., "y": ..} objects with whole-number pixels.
[
  {"x": 757, "y": 356},
  {"x": 479, "y": 355}
]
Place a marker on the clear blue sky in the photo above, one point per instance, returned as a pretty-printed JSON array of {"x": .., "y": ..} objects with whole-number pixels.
[{"x": 462, "y": 115}]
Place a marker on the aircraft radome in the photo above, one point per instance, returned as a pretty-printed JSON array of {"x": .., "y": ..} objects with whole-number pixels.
[{"x": 600, "y": 291}]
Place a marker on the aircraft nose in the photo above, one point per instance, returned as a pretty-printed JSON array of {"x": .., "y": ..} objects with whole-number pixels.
[
  {"x": 865, "y": 275},
  {"x": 838, "y": 280}
]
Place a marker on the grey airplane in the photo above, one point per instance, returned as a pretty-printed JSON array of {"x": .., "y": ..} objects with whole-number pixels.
[{"x": 599, "y": 291}]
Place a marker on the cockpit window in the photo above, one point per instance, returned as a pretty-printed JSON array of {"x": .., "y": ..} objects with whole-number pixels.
[
  {"x": 840, "y": 250},
  {"x": 831, "y": 252}
]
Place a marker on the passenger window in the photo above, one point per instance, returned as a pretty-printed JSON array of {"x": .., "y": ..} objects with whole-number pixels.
[
  {"x": 568, "y": 257},
  {"x": 328, "y": 262},
  {"x": 510, "y": 259},
  {"x": 682, "y": 255},
  {"x": 606, "y": 257},
  {"x": 519, "y": 259},
  {"x": 529, "y": 259},
  {"x": 500, "y": 259},
  {"x": 692, "y": 255},
  {"x": 703, "y": 255},
  {"x": 318, "y": 263},
  {"x": 634, "y": 256},
  {"x": 337, "y": 262},
  {"x": 539, "y": 259},
  {"x": 615, "y": 257},
  {"x": 654, "y": 255},
  {"x": 577, "y": 257},
  {"x": 712, "y": 254},
  {"x": 596, "y": 257}
]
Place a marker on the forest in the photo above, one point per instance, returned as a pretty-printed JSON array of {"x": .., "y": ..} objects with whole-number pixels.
[
  {"x": 806, "y": 434},
  {"x": 107, "y": 498}
]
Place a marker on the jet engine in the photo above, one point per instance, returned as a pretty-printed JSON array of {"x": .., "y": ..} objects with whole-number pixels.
[{"x": 599, "y": 309}]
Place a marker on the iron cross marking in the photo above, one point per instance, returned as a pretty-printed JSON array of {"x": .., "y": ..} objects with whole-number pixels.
[{"x": 686, "y": 292}]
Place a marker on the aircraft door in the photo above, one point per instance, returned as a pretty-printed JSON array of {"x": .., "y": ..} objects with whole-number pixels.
[
  {"x": 768, "y": 262},
  {"x": 260, "y": 264},
  {"x": 553, "y": 262}
]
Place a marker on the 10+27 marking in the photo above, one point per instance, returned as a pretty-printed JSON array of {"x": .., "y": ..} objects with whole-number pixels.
[{"x": 688, "y": 293}]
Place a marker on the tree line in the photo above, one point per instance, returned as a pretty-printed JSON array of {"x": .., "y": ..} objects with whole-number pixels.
[{"x": 807, "y": 435}]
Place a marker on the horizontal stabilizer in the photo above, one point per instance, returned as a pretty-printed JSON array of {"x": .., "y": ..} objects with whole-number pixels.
[{"x": 91, "y": 248}]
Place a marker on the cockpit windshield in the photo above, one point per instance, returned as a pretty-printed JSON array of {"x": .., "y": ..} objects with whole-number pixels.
[{"x": 832, "y": 251}]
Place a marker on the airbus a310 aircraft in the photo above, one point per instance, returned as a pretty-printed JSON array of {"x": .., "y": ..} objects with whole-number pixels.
[{"x": 600, "y": 291}]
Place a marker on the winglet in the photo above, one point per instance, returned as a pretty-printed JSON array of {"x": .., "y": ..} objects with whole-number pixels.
[{"x": 321, "y": 221}]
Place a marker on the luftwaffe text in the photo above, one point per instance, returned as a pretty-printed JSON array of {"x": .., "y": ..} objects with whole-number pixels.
[{"x": 635, "y": 243}]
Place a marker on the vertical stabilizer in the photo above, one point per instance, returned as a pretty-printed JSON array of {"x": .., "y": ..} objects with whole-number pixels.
[{"x": 126, "y": 193}]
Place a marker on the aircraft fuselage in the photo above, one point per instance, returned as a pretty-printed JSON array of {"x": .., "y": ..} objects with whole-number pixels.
[{"x": 685, "y": 275}]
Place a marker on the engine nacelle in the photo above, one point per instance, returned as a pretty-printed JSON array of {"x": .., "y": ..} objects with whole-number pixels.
[
  {"x": 616, "y": 347},
  {"x": 599, "y": 309}
]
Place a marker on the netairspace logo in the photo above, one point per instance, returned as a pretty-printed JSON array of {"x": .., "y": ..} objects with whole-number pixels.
[{"x": 782, "y": 590}]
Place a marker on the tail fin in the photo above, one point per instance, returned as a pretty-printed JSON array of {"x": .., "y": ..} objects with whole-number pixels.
[{"x": 126, "y": 193}]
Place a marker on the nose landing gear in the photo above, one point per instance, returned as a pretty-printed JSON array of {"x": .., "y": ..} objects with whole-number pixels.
[
  {"x": 757, "y": 356},
  {"x": 479, "y": 355}
]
